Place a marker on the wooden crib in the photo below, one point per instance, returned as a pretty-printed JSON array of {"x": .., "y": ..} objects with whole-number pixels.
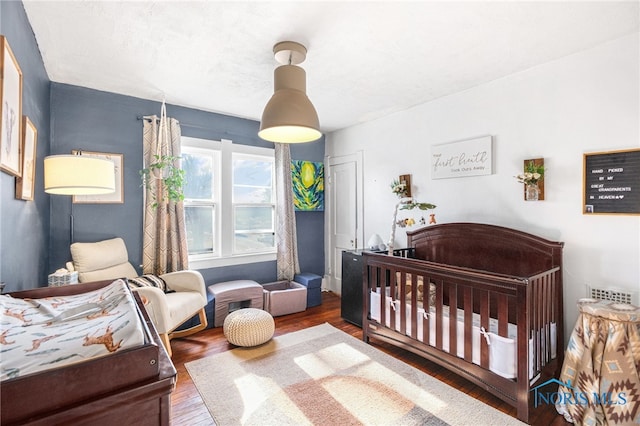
[{"x": 506, "y": 335}]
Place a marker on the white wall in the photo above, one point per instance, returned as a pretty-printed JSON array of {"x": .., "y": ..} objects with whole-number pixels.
[{"x": 586, "y": 102}]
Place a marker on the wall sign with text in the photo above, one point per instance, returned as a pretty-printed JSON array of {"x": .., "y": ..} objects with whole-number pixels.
[
  {"x": 612, "y": 182},
  {"x": 470, "y": 157}
]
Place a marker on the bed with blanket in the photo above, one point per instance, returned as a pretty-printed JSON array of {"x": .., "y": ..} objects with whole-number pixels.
[
  {"x": 481, "y": 300},
  {"x": 81, "y": 353}
]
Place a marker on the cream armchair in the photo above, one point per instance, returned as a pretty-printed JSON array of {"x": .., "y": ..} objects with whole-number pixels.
[{"x": 109, "y": 259}]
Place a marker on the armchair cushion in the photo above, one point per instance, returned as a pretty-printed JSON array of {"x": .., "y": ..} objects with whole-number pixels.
[{"x": 103, "y": 260}]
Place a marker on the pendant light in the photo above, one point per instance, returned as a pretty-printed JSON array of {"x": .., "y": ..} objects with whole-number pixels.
[{"x": 289, "y": 116}]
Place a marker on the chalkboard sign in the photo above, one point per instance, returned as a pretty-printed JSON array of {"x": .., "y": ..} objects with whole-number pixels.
[{"x": 612, "y": 182}]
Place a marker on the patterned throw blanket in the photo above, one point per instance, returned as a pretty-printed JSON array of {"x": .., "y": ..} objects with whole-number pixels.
[
  {"x": 601, "y": 372},
  {"x": 39, "y": 334}
]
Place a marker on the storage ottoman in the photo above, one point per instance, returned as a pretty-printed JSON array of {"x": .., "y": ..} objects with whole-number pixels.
[
  {"x": 284, "y": 297},
  {"x": 232, "y": 295},
  {"x": 313, "y": 284}
]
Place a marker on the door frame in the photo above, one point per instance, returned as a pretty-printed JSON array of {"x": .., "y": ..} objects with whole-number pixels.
[{"x": 332, "y": 283}]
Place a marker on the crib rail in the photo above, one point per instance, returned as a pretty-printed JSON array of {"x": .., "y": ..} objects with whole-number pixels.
[{"x": 458, "y": 308}]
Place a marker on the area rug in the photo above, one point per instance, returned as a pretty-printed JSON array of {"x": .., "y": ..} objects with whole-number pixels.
[{"x": 323, "y": 376}]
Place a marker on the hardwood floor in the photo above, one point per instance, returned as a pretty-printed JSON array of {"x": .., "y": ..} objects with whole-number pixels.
[{"x": 187, "y": 406}]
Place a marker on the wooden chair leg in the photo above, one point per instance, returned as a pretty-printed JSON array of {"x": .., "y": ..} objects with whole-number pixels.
[
  {"x": 166, "y": 341},
  {"x": 189, "y": 331}
]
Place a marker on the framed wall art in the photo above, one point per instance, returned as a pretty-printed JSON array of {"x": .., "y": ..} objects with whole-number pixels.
[
  {"x": 308, "y": 185},
  {"x": 10, "y": 111},
  {"x": 116, "y": 197},
  {"x": 25, "y": 184}
]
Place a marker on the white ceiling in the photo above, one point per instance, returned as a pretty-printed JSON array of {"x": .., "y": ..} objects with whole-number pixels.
[{"x": 365, "y": 59}]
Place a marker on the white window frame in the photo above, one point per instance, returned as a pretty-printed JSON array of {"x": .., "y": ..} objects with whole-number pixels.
[{"x": 224, "y": 215}]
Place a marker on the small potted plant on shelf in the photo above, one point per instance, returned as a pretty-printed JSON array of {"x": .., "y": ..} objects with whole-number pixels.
[{"x": 164, "y": 170}]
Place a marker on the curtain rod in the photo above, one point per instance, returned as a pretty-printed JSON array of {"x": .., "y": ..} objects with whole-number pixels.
[
  {"x": 148, "y": 118},
  {"x": 193, "y": 126}
]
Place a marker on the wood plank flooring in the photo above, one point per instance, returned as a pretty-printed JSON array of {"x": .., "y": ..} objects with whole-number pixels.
[{"x": 187, "y": 406}]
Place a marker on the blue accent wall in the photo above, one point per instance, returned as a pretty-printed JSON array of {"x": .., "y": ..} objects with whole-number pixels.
[
  {"x": 92, "y": 120},
  {"x": 24, "y": 225},
  {"x": 35, "y": 235}
]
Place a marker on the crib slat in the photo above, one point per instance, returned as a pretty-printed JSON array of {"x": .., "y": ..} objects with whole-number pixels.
[
  {"x": 415, "y": 282},
  {"x": 426, "y": 304},
  {"x": 391, "y": 275},
  {"x": 382, "y": 276},
  {"x": 453, "y": 319},
  {"x": 402, "y": 290},
  {"x": 438, "y": 327},
  {"x": 549, "y": 312},
  {"x": 468, "y": 324},
  {"x": 484, "y": 324},
  {"x": 503, "y": 315},
  {"x": 373, "y": 283}
]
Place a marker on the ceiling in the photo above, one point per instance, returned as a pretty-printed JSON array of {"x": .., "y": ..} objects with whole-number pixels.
[{"x": 365, "y": 59}]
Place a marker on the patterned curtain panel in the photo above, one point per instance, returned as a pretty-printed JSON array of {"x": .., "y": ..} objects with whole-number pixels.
[
  {"x": 600, "y": 378},
  {"x": 287, "y": 241},
  {"x": 165, "y": 237}
]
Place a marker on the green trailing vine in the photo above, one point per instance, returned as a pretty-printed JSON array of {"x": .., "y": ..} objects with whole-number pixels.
[{"x": 163, "y": 170}]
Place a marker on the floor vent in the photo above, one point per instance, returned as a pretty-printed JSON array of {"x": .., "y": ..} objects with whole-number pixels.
[{"x": 617, "y": 296}]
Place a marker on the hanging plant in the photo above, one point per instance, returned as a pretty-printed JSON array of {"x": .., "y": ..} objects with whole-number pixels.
[{"x": 172, "y": 179}]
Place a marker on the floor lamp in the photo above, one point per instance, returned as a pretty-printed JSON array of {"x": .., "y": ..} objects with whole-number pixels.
[{"x": 78, "y": 175}]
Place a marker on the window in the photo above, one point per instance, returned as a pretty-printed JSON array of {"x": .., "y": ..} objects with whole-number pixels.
[
  {"x": 229, "y": 202},
  {"x": 202, "y": 195},
  {"x": 253, "y": 203}
]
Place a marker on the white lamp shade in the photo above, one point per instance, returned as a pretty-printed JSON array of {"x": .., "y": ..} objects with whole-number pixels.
[
  {"x": 375, "y": 242},
  {"x": 289, "y": 116},
  {"x": 78, "y": 175}
]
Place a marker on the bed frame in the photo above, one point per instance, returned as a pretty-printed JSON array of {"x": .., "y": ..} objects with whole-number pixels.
[{"x": 488, "y": 271}]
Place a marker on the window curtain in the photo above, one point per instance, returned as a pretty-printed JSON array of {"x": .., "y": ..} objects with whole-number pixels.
[
  {"x": 287, "y": 242},
  {"x": 165, "y": 238}
]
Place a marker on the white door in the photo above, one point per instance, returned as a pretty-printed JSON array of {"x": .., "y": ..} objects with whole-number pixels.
[{"x": 345, "y": 221}]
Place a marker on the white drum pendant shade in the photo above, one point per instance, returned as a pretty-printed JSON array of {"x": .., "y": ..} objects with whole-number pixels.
[{"x": 78, "y": 175}]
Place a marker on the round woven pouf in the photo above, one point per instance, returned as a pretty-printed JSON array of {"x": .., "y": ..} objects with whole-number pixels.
[{"x": 248, "y": 327}]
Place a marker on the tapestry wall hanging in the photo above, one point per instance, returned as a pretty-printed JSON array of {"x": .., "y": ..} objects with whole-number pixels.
[{"x": 308, "y": 185}]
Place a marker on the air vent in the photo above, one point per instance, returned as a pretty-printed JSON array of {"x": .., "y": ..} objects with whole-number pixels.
[{"x": 618, "y": 296}]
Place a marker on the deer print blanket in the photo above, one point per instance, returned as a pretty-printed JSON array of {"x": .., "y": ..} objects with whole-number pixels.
[{"x": 39, "y": 334}]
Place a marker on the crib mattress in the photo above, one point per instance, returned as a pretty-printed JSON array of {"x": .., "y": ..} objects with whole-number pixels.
[
  {"x": 502, "y": 350},
  {"x": 51, "y": 332}
]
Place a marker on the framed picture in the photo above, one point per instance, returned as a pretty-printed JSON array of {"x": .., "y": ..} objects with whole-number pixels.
[
  {"x": 25, "y": 184},
  {"x": 116, "y": 197},
  {"x": 10, "y": 111},
  {"x": 307, "y": 179}
]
